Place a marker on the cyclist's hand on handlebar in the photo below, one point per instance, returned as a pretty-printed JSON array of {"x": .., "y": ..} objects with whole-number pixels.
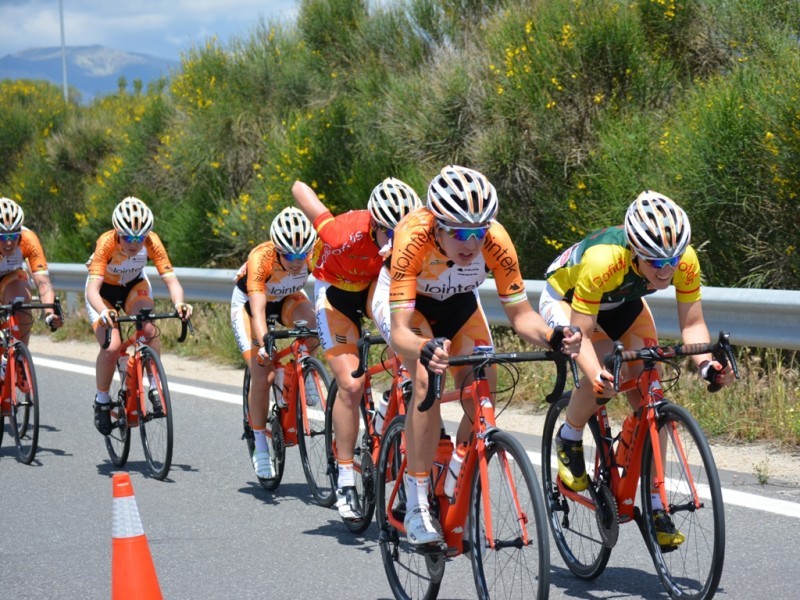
[
  {"x": 719, "y": 376},
  {"x": 434, "y": 353},
  {"x": 184, "y": 310},
  {"x": 108, "y": 316},
  {"x": 53, "y": 321},
  {"x": 566, "y": 339},
  {"x": 603, "y": 385},
  {"x": 262, "y": 358}
]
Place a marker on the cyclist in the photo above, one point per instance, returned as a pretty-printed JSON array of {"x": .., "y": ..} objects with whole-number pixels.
[
  {"x": 442, "y": 254},
  {"x": 353, "y": 250},
  {"x": 270, "y": 283},
  {"x": 117, "y": 281},
  {"x": 18, "y": 246},
  {"x": 599, "y": 285}
]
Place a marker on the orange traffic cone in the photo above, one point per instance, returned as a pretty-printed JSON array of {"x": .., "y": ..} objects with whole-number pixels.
[{"x": 133, "y": 574}]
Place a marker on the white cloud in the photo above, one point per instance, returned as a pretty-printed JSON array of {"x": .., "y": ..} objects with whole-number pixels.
[{"x": 147, "y": 26}]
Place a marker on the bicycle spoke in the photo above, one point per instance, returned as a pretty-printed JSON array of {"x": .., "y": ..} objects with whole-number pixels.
[
  {"x": 155, "y": 422},
  {"x": 311, "y": 403}
]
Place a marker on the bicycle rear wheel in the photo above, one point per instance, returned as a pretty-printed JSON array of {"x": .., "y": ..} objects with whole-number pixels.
[
  {"x": 693, "y": 569},
  {"x": 155, "y": 419},
  {"x": 513, "y": 509},
  {"x": 412, "y": 575},
  {"x": 25, "y": 408},
  {"x": 311, "y": 401},
  {"x": 118, "y": 442},
  {"x": 363, "y": 465},
  {"x": 573, "y": 524}
]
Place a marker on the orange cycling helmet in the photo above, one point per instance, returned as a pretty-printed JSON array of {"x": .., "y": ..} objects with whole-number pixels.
[
  {"x": 291, "y": 232},
  {"x": 132, "y": 217},
  {"x": 656, "y": 227},
  {"x": 11, "y": 216},
  {"x": 390, "y": 201},
  {"x": 462, "y": 195}
]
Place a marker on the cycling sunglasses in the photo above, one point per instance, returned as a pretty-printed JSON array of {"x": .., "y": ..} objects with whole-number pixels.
[
  {"x": 389, "y": 232},
  {"x": 293, "y": 256},
  {"x": 10, "y": 237},
  {"x": 132, "y": 239},
  {"x": 660, "y": 263},
  {"x": 463, "y": 234}
]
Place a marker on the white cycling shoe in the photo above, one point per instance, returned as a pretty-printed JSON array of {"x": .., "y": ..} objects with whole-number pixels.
[
  {"x": 262, "y": 463},
  {"x": 420, "y": 528}
]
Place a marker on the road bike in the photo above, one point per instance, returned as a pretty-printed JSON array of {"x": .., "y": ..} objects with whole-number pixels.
[
  {"x": 496, "y": 513},
  {"x": 19, "y": 398},
  {"x": 392, "y": 402},
  {"x": 140, "y": 396},
  {"x": 297, "y": 408},
  {"x": 664, "y": 451}
]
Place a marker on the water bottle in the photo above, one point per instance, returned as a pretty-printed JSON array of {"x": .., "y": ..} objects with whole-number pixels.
[
  {"x": 277, "y": 388},
  {"x": 625, "y": 440},
  {"x": 456, "y": 460},
  {"x": 440, "y": 462},
  {"x": 380, "y": 413}
]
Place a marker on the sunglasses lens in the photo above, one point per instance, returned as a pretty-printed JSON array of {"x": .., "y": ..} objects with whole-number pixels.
[
  {"x": 133, "y": 239},
  {"x": 291, "y": 257},
  {"x": 660, "y": 263},
  {"x": 9, "y": 237},
  {"x": 463, "y": 235}
]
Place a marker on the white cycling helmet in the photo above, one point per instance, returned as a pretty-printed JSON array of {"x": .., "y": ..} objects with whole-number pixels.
[
  {"x": 11, "y": 216},
  {"x": 132, "y": 217},
  {"x": 656, "y": 227},
  {"x": 461, "y": 195},
  {"x": 391, "y": 200},
  {"x": 291, "y": 232}
]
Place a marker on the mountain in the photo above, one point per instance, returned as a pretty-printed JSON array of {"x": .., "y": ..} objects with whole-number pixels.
[{"x": 92, "y": 70}]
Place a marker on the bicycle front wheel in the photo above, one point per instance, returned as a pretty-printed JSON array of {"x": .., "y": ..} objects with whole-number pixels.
[
  {"x": 363, "y": 465},
  {"x": 118, "y": 442},
  {"x": 573, "y": 523},
  {"x": 412, "y": 575},
  {"x": 311, "y": 401},
  {"x": 25, "y": 407},
  {"x": 693, "y": 568},
  {"x": 155, "y": 419},
  {"x": 509, "y": 549}
]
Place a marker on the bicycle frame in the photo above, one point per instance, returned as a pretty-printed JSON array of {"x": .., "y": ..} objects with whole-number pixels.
[
  {"x": 290, "y": 359},
  {"x": 454, "y": 515}
]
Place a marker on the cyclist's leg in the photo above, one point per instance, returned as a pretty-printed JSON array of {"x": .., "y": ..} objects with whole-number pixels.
[
  {"x": 140, "y": 295},
  {"x": 12, "y": 286},
  {"x": 106, "y": 361},
  {"x": 260, "y": 380},
  {"x": 338, "y": 322}
]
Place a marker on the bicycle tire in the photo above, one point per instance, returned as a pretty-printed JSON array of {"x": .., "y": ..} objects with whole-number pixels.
[
  {"x": 118, "y": 442},
  {"x": 311, "y": 438},
  {"x": 693, "y": 569},
  {"x": 276, "y": 441},
  {"x": 155, "y": 426},
  {"x": 412, "y": 575},
  {"x": 513, "y": 568},
  {"x": 365, "y": 485},
  {"x": 574, "y": 525},
  {"x": 25, "y": 409},
  {"x": 247, "y": 431}
]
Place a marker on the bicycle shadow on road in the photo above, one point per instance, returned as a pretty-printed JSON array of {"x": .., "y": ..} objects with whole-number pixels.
[
  {"x": 615, "y": 582},
  {"x": 141, "y": 467},
  {"x": 334, "y": 528},
  {"x": 284, "y": 491}
]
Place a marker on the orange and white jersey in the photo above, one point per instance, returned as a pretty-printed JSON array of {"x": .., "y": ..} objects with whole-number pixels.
[
  {"x": 264, "y": 273},
  {"x": 419, "y": 265},
  {"x": 349, "y": 257},
  {"x": 109, "y": 263},
  {"x": 30, "y": 250}
]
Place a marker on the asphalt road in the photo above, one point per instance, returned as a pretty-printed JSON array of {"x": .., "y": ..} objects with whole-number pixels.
[{"x": 213, "y": 532}]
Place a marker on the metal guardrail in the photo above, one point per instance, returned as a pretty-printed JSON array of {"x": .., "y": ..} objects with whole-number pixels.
[{"x": 757, "y": 318}]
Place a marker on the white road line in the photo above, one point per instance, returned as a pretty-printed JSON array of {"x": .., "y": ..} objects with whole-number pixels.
[{"x": 731, "y": 497}]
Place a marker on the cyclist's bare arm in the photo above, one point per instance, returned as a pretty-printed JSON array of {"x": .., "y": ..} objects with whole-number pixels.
[
  {"x": 588, "y": 361},
  {"x": 307, "y": 201},
  {"x": 47, "y": 296},
  {"x": 695, "y": 331},
  {"x": 175, "y": 291},
  {"x": 531, "y": 327},
  {"x": 258, "y": 319}
]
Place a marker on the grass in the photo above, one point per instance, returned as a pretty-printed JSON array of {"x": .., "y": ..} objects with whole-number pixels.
[{"x": 763, "y": 405}]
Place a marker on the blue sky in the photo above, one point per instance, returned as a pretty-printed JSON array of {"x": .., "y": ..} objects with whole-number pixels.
[{"x": 161, "y": 28}]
